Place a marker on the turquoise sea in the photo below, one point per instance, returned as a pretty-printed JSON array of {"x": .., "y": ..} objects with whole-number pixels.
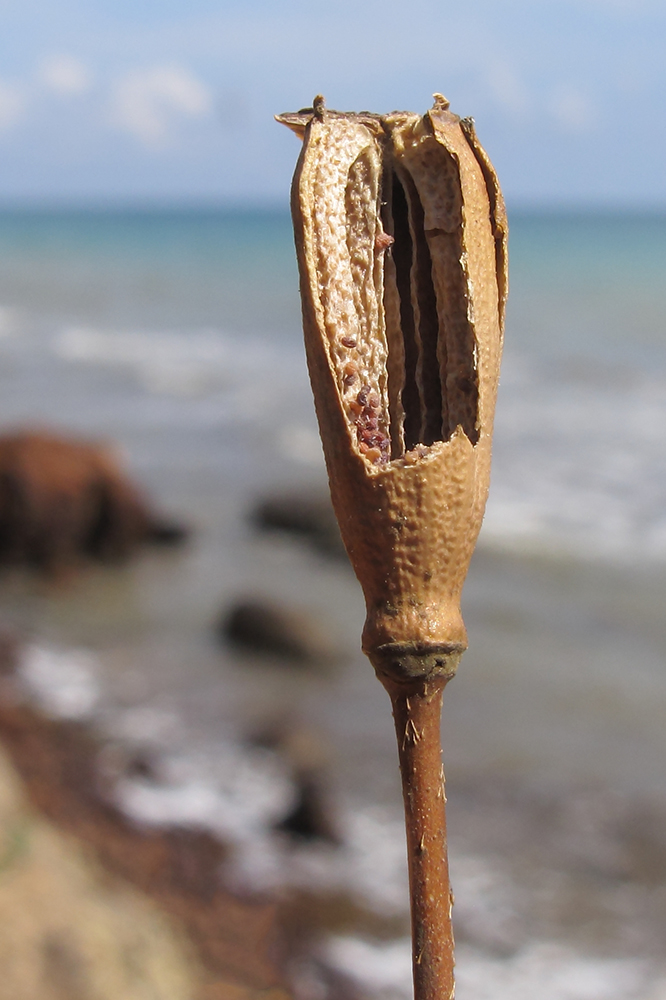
[{"x": 176, "y": 334}]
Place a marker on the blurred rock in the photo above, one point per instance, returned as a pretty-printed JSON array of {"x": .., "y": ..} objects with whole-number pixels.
[
  {"x": 10, "y": 647},
  {"x": 116, "y": 762},
  {"x": 63, "y": 500},
  {"x": 311, "y": 817},
  {"x": 263, "y": 627},
  {"x": 308, "y": 517}
]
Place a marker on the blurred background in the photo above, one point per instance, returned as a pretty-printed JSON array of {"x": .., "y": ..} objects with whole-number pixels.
[{"x": 148, "y": 298}]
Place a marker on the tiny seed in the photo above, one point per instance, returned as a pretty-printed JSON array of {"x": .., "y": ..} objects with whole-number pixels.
[
  {"x": 348, "y": 341},
  {"x": 362, "y": 397},
  {"x": 373, "y": 400},
  {"x": 373, "y": 455},
  {"x": 382, "y": 242},
  {"x": 349, "y": 374},
  {"x": 355, "y": 407}
]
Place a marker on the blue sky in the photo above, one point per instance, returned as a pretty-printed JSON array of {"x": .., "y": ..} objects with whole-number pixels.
[{"x": 165, "y": 100}]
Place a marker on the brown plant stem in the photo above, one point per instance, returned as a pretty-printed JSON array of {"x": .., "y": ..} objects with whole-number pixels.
[{"x": 416, "y": 711}]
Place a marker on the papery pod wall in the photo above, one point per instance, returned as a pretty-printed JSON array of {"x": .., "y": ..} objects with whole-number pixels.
[{"x": 401, "y": 240}]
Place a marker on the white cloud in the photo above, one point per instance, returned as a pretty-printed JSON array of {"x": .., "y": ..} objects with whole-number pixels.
[
  {"x": 65, "y": 75},
  {"x": 12, "y": 103},
  {"x": 627, "y": 6},
  {"x": 572, "y": 109},
  {"x": 147, "y": 103},
  {"x": 508, "y": 90}
]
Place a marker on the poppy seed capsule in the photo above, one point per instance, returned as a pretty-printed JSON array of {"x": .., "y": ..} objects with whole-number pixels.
[{"x": 408, "y": 455}]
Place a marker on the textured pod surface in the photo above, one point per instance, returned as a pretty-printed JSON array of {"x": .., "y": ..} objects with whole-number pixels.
[{"x": 401, "y": 241}]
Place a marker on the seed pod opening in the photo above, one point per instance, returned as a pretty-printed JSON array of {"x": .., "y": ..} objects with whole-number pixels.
[{"x": 401, "y": 239}]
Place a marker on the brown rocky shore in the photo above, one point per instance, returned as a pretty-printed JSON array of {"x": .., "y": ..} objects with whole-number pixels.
[{"x": 93, "y": 906}]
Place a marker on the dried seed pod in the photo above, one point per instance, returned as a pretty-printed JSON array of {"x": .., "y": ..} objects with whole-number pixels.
[{"x": 401, "y": 241}]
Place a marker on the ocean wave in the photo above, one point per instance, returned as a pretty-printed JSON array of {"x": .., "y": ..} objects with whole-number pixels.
[
  {"x": 579, "y": 464},
  {"x": 9, "y": 321},
  {"x": 174, "y": 362},
  {"x": 579, "y": 467}
]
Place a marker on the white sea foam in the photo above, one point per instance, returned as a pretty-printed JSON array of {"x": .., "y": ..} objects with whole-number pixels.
[
  {"x": 489, "y": 903},
  {"x": 239, "y": 794},
  {"x": 234, "y": 792},
  {"x": 63, "y": 682},
  {"x": 370, "y": 864},
  {"x": 382, "y": 970},
  {"x": 551, "y": 971},
  {"x": 547, "y": 970},
  {"x": 179, "y": 363},
  {"x": 579, "y": 464}
]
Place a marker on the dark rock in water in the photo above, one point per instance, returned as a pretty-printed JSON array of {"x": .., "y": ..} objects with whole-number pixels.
[
  {"x": 166, "y": 533},
  {"x": 311, "y": 816},
  {"x": 115, "y": 762},
  {"x": 9, "y": 652},
  {"x": 311, "y": 518},
  {"x": 310, "y": 819},
  {"x": 64, "y": 500},
  {"x": 262, "y": 627}
]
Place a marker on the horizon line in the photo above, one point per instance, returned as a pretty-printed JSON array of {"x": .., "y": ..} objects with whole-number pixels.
[{"x": 237, "y": 204}]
